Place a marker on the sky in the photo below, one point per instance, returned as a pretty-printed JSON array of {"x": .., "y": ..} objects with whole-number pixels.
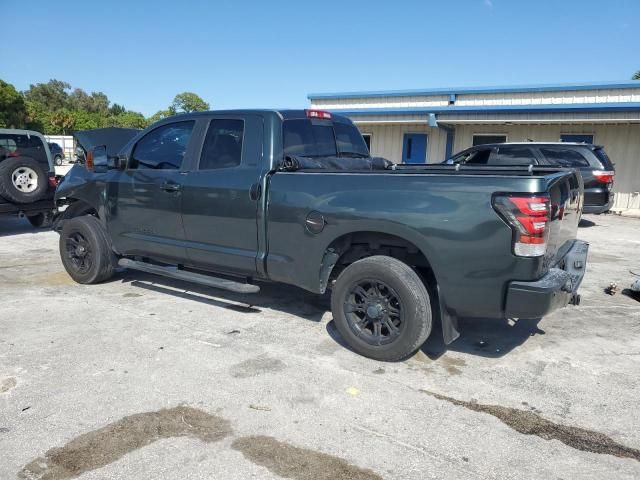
[{"x": 272, "y": 53}]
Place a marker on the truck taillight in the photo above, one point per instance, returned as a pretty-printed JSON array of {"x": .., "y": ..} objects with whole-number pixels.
[
  {"x": 528, "y": 217},
  {"x": 603, "y": 176},
  {"x": 318, "y": 114},
  {"x": 53, "y": 180}
]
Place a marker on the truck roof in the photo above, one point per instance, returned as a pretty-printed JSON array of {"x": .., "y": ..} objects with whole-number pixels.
[
  {"x": 564, "y": 144},
  {"x": 285, "y": 114}
]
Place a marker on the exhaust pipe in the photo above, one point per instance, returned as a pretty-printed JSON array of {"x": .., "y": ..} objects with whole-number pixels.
[{"x": 575, "y": 299}]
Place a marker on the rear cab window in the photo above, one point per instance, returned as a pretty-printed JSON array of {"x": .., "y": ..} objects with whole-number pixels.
[{"x": 322, "y": 138}]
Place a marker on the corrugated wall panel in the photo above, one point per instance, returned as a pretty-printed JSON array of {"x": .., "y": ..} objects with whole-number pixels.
[{"x": 386, "y": 140}]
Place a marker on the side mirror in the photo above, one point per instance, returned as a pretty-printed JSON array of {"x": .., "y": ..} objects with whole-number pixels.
[{"x": 100, "y": 158}]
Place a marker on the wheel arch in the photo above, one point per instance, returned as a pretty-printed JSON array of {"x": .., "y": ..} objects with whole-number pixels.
[{"x": 352, "y": 246}]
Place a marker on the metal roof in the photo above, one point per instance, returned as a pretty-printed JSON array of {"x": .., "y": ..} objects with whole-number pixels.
[
  {"x": 548, "y": 108},
  {"x": 611, "y": 85}
]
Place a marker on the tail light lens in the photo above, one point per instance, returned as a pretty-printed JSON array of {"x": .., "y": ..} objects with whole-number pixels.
[
  {"x": 528, "y": 216},
  {"x": 603, "y": 176},
  {"x": 53, "y": 180}
]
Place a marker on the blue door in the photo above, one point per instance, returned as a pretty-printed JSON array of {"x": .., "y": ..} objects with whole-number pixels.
[{"x": 414, "y": 148}]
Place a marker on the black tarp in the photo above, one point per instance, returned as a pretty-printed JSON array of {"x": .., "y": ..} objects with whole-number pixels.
[
  {"x": 114, "y": 138},
  {"x": 293, "y": 163}
]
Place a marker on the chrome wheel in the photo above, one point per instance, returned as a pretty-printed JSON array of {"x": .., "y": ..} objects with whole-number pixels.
[
  {"x": 25, "y": 179},
  {"x": 374, "y": 312}
]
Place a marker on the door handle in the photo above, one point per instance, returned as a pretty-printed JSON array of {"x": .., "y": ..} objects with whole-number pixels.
[{"x": 170, "y": 187}]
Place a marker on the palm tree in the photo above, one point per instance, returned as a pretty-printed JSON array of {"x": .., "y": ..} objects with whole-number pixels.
[{"x": 636, "y": 76}]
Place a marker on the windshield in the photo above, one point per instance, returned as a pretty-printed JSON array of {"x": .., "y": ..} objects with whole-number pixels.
[{"x": 322, "y": 138}]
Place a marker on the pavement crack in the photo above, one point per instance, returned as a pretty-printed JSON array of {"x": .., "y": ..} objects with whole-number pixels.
[{"x": 530, "y": 423}]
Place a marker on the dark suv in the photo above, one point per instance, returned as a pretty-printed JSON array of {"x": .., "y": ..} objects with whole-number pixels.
[
  {"x": 56, "y": 152},
  {"x": 592, "y": 161}
]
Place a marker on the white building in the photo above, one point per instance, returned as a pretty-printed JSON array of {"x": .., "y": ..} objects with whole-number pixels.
[{"x": 429, "y": 125}]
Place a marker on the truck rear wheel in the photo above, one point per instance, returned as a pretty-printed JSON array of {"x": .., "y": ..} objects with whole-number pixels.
[
  {"x": 381, "y": 308},
  {"x": 86, "y": 251}
]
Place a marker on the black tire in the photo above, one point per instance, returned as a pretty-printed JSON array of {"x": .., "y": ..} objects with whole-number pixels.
[
  {"x": 40, "y": 220},
  {"x": 403, "y": 302},
  {"x": 22, "y": 180},
  {"x": 57, "y": 160},
  {"x": 86, "y": 251}
]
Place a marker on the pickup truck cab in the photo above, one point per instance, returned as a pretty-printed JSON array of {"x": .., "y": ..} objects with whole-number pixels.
[{"x": 234, "y": 198}]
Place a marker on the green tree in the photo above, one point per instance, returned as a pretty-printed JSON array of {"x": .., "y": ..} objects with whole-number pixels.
[
  {"x": 117, "y": 109},
  {"x": 189, "y": 102},
  {"x": 160, "y": 114},
  {"x": 62, "y": 121},
  {"x": 128, "y": 119},
  {"x": 53, "y": 95},
  {"x": 13, "y": 111},
  {"x": 636, "y": 76},
  {"x": 81, "y": 100}
]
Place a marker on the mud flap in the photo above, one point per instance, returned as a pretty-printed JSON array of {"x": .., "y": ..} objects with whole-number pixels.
[{"x": 448, "y": 320}]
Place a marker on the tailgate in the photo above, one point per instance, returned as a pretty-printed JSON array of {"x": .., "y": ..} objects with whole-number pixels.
[{"x": 566, "y": 192}]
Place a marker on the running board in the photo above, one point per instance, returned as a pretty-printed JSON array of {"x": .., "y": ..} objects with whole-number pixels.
[{"x": 173, "y": 272}]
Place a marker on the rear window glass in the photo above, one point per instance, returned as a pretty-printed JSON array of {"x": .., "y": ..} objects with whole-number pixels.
[
  {"x": 24, "y": 146},
  {"x": 514, "y": 156},
  {"x": 309, "y": 138},
  {"x": 604, "y": 158},
  {"x": 479, "y": 157},
  {"x": 565, "y": 157}
]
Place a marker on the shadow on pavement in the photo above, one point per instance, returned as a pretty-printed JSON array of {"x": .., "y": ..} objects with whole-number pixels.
[
  {"x": 584, "y": 223},
  {"x": 285, "y": 298},
  {"x": 492, "y": 338},
  {"x": 485, "y": 337},
  {"x": 15, "y": 226}
]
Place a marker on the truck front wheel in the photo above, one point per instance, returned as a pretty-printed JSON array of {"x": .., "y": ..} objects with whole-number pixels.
[
  {"x": 85, "y": 250},
  {"x": 381, "y": 308}
]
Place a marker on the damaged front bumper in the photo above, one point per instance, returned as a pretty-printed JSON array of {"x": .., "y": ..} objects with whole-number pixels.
[{"x": 555, "y": 290}]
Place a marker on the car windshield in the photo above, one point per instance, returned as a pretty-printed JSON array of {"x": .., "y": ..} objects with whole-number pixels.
[{"x": 322, "y": 138}]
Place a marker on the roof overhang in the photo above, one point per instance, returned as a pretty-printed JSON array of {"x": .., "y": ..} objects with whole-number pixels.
[{"x": 558, "y": 87}]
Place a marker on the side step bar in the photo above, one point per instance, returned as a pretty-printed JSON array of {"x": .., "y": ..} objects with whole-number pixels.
[{"x": 173, "y": 272}]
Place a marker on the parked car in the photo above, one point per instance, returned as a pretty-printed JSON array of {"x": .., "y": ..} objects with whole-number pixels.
[
  {"x": 593, "y": 162},
  {"x": 56, "y": 152},
  {"x": 231, "y": 198},
  {"x": 27, "y": 177}
]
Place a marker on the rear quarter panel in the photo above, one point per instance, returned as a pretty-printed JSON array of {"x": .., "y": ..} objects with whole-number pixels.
[{"x": 450, "y": 218}]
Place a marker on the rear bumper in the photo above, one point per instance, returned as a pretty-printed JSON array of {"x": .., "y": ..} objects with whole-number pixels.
[
  {"x": 599, "y": 208},
  {"x": 555, "y": 290}
]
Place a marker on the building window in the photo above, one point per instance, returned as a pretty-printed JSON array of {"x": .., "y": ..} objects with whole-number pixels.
[
  {"x": 484, "y": 138},
  {"x": 576, "y": 137},
  {"x": 367, "y": 140}
]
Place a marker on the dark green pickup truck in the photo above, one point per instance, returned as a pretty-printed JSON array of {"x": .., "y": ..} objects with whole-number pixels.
[{"x": 230, "y": 199}]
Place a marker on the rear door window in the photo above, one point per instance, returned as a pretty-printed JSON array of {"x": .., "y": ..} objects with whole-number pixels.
[
  {"x": 513, "y": 156},
  {"x": 223, "y": 144},
  {"x": 163, "y": 148},
  {"x": 564, "y": 157}
]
